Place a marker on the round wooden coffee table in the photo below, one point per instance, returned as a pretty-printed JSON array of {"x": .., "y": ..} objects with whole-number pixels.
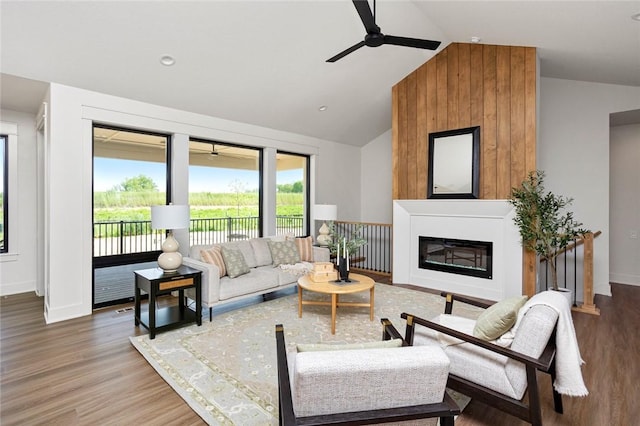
[{"x": 359, "y": 283}]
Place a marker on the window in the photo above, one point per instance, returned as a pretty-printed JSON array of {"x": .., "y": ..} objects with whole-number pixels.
[
  {"x": 292, "y": 196},
  {"x": 224, "y": 192},
  {"x": 129, "y": 176},
  {"x": 4, "y": 204}
]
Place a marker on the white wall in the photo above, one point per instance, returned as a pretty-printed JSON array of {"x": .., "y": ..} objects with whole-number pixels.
[
  {"x": 573, "y": 150},
  {"x": 338, "y": 179},
  {"x": 376, "y": 180},
  {"x": 72, "y": 112},
  {"x": 17, "y": 267},
  {"x": 624, "y": 261}
]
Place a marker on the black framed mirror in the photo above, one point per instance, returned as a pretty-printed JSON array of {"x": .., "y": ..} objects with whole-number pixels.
[{"x": 454, "y": 163}]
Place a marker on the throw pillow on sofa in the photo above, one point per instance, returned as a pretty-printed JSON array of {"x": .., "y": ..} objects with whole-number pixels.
[
  {"x": 214, "y": 257},
  {"x": 305, "y": 248},
  {"x": 234, "y": 262},
  {"x": 261, "y": 251},
  {"x": 284, "y": 252},
  {"x": 246, "y": 249}
]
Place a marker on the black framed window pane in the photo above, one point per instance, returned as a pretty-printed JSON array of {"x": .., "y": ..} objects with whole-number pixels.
[
  {"x": 292, "y": 194},
  {"x": 225, "y": 193},
  {"x": 4, "y": 204}
]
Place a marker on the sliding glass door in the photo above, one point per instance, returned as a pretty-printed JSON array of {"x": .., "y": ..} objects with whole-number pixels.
[{"x": 130, "y": 174}]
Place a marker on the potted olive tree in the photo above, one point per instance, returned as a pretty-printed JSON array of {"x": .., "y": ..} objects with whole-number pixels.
[{"x": 545, "y": 226}]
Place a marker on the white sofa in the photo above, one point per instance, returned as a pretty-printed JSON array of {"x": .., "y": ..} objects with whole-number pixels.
[{"x": 263, "y": 276}]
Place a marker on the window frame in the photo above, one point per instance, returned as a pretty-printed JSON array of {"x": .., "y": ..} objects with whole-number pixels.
[
  {"x": 4, "y": 142},
  {"x": 10, "y": 131}
]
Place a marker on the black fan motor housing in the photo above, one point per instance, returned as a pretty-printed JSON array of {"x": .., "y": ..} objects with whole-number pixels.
[{"x": 374, "y": 39}]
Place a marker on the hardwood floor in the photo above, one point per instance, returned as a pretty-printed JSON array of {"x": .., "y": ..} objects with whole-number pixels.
[
  {"x": 79, "y": 372},
  {"x": 85, "y": 372}
]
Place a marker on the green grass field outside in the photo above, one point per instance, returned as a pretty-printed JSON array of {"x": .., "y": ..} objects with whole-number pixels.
[{"x": 113, "y": 206}]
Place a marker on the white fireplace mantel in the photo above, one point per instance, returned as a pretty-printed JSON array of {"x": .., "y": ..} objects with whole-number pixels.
[{"x": 478, "y": 220}]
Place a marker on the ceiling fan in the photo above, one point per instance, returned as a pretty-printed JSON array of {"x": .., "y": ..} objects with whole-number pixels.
[
  {"x": 213, "y": 152},
  {"x": 227, "y": 152},
  {"x": 208, "y": 153},
  {"x": 375, "y": 38}
]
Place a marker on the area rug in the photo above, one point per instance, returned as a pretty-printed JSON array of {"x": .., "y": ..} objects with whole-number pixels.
[{"x": 226, "y": 369}]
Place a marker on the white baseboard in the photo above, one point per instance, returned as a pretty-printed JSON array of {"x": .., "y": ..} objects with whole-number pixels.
[
  {"x": 64, "y": 313},
  {"x": 624, "y": 279},
  {"x": 17, "y": 288}
]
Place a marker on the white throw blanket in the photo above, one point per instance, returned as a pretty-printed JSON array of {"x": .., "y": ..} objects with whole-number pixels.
[
  {"x": 568, "y": 360},
  {"x": 298, "y": 269}
]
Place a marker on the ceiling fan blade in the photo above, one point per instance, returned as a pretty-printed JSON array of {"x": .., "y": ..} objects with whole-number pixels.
[
  {"x": 411, "y": 42},
  {"x": 362, "y": 6},
  {"x": 346, "y": 52}
]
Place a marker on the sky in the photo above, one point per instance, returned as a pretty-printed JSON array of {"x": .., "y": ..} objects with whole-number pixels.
[{"x": 109, "y": 172}]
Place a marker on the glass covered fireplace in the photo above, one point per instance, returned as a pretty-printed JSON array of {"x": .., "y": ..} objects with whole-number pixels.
[{"x": 462, "y": 257}]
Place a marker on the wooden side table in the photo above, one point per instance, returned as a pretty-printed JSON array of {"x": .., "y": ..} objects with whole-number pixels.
[
  {"x": 359, "y": 283},
  {"x": 156, "y": 282}
]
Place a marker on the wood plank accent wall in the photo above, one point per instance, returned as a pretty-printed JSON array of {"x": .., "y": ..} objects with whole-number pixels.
[{"x": 466, "y": 85}]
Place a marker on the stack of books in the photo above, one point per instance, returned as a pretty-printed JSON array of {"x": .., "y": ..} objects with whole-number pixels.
[{"x": 323, "y": 272}]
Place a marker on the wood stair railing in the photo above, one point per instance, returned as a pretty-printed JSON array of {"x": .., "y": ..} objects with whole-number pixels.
[
  {"x": 530, "y": 271},
  {"x": 587, "y": 279},
  {"x": 578, "y": 242}
]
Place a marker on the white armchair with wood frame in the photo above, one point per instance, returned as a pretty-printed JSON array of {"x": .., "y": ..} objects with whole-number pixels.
[
  {"x": 362, "y": 383},
  {"x": 501, "y": 376}
]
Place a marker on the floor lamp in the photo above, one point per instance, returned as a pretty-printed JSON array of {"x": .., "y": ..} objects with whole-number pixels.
[
  {"x": 324, "y": 212},
  {"x": 170, "y": 217}
]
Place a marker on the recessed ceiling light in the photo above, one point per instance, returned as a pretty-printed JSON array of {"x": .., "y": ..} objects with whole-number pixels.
[
  {"x": 636, "y": 17},
  {"x": 322, "y": 108},
  {"x": 167, "y": 60},
  {"x": 475, "y": 39}
]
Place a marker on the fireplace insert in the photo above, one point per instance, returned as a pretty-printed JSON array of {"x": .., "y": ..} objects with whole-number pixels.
[{"x": 464, "y": 257}]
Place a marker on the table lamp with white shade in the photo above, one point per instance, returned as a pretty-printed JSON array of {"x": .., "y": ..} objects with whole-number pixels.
[
  {"x": 170, "y": 217},
  {"x": 324, "y": 212}
]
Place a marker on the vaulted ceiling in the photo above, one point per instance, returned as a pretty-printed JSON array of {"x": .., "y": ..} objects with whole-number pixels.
[{"x": 263, "y": 62}]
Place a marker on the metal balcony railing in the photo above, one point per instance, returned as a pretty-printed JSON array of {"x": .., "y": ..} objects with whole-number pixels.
[
  {"x": 125, "y": 237},
  {"x": 129, "y": 237}
]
